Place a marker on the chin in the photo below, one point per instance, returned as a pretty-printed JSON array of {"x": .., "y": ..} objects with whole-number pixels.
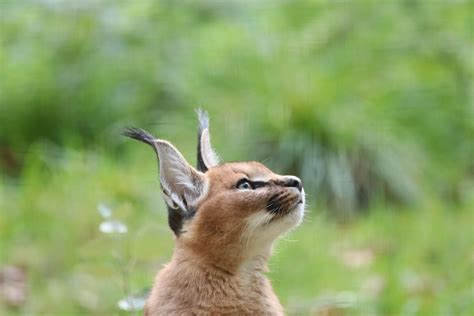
[
  {"x": 276, "y": 227},
  {"x": 291, "y": 220},
  {"x": 297, "y": 214}
]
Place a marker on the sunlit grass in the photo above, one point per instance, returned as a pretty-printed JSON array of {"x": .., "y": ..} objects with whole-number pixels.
[{"x": 389, "y": 262}]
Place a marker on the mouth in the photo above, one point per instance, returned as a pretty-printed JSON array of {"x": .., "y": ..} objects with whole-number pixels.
[
  {"x": 286, "y": 212},
  {"x": 282, "y": 204}
]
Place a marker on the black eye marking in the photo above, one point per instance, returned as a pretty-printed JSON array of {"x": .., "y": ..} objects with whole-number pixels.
[{"x": 259, "y": 184}]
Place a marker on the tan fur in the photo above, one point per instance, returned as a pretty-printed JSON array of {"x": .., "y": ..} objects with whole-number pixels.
[
  {"x": 219, "y": 261},
  {"x": 225, "y": 219}
]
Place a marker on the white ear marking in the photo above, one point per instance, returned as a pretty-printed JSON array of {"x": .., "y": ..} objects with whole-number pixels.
[
  {"x": 206, "y": 157},
  {"x": 209, "y": 156}
]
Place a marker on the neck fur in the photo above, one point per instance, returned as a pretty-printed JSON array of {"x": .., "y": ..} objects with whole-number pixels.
[{"x": 233, "y": 262}]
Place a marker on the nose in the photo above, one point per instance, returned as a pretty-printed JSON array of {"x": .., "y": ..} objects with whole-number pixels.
[{"x": 292, "y": 181}]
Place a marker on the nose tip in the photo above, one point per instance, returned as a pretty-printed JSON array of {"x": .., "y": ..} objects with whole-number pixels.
[{"x": 295, "y": 182}]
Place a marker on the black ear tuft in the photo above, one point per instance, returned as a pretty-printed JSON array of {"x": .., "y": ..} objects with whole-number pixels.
[
  {"x": 203, "y": 118},
  {"x": 139, "y": 134}
]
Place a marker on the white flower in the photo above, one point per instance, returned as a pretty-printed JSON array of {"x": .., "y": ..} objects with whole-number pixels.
[
  {"x": 132, "y": 303},
  {"x": 113, "y": 226}
]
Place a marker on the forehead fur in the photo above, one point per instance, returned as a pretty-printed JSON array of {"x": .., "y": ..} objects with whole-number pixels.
[{"x": 252, "y": 170}]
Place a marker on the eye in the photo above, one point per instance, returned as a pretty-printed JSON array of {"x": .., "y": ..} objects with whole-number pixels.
[{"x": 244, "y": 184}]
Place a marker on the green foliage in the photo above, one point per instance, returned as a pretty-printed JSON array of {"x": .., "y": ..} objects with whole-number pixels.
[
  {"x": 365, "y": 99},
  {"x": 76, "y": 70},
  {"x": 370, "y": 102}
]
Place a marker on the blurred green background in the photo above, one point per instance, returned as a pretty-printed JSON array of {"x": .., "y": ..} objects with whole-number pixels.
[{"x": 369, "y": 102}]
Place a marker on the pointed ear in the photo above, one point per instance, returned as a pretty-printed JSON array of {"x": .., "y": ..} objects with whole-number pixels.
[
  {"x": 177, "y": 176},
  {"x": 182, "y": 184},
  {"x": 206, "y": 157}
]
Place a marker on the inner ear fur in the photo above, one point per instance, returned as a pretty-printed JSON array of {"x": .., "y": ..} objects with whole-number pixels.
[{"x": 177, "y": 176}]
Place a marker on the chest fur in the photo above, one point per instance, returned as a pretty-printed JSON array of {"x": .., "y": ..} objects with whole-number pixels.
[{"x": 208, "y": 292}]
